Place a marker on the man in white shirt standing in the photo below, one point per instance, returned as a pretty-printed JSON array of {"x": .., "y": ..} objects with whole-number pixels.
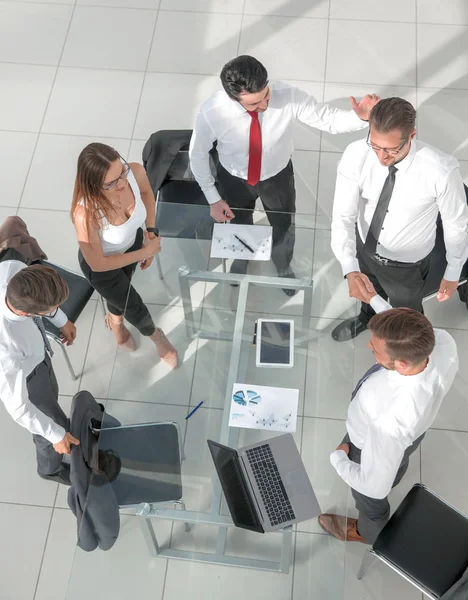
[
  {"x": 389, "y": 192},
  {"x": 252, "y": 120},
  {"x": 392, "y": 407},
  {"x": 28, "y": 387}
]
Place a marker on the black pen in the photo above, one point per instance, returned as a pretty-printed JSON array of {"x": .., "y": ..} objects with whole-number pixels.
[{"x": 243, "y": 243}]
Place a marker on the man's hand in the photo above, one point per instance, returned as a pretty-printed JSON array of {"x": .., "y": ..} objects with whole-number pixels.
[
  {"x": 64, "y": 446},
  {"x": 360, "y": 287},
  {"x": 344, "y": 447},
  {"x": 363, "y": 108},
  {"x": 68, "y": 333},
  {"x": 446, "y": 289},
  {"x": 221, "y": 212}
]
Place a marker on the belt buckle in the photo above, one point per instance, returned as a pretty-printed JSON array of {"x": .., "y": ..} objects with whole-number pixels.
[{"x": 383, "y": 261}]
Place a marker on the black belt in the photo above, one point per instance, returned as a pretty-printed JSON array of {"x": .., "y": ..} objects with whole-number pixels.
[{"x": 388, "y": 262}]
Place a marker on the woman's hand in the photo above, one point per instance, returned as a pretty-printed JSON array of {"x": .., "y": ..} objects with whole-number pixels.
[
  {"x": 152, "y": 245},
  {"x": 144, "y": 264}
]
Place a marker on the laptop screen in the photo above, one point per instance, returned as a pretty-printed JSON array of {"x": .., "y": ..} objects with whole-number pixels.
[{"x": 234, "y": 486}]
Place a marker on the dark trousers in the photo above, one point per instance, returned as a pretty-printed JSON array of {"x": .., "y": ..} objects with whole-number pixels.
[
  {"x": 116, "y": 288},
  {"x": 43, "y": 393},
  {"x": 373, "y": 513},
  {"x": 277, "y": 194},
  {"x": 401, "y": 286}
]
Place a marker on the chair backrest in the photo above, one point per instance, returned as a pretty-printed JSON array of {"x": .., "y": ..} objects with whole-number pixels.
[{"x": 426, "y": 539}]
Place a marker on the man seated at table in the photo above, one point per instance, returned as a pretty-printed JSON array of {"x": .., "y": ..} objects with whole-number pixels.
[{"x": 392, "y": 407}]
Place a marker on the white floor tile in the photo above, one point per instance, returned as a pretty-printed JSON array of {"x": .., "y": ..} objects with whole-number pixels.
[
  {"x": 148, "y": 4},
  {"x": 58, "y": 557},
  {"x": 6, "y": 211},
  {"x": 24, "y": 91},
  {"x": 338, "y": 95},
  {"x": 23, "y": 531},
  {"x": 106, "y": 28},
  {"x": 16, "y": 150},
  {"x": 33, "y": 33},
  {"x": 217, "y": 6},
  {"x": 294, "y": 8},
  {"x": 441, "y": 120},
  {"x": 142, "y": 376},
  {"x": 125, "y": 569},
  {"x": 55, "y": 233},
  {"x": 373, "y": 11},
  {"x": 103, "y": 103},
  {"x": 444, "y": 455},
  {"x": 212, "y": 39},
  {"x": 442, "y": 59},
  {"x": 53, "y": 190},
  {"x": 452, "y": 12},
  {"x": 305, "y": 166},
  {"x": 187, "y": 93},
  {"x": 229, "y": 583},
  {"x": 375, "y": 68},
  {"x": 289, "y": 48}
]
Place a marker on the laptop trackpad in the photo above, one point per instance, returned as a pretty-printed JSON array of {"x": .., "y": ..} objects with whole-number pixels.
[{"x": 297, "y": 482}]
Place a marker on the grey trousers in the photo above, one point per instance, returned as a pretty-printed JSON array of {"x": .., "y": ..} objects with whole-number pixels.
[
  {"x": 374, "y": 513},
  {"x": 43, "y": 393}
]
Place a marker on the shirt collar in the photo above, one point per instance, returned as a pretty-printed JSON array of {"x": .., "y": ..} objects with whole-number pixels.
[
  {"x": 404, "y": 164},
  {"x": 9, "y": 314}
]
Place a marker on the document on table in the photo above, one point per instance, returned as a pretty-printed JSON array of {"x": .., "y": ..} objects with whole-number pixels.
[
  {"x": 263, "y": 407},
  {"x": 247, "y": 242}
]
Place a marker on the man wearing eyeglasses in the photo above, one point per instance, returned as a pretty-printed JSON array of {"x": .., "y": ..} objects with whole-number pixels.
[
  {"x": 252, "y": 121},
  {"x": 389, "y": 192},
  {"x": 28, "y": 387}
]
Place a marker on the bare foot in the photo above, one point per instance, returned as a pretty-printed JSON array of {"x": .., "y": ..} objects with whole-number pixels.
[
  {"x": 165, "y": 349},
  {"x": 123, "y": 336}
]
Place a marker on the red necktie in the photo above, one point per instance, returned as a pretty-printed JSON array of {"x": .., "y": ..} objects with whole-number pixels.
[{"x": 255, "y": 150}]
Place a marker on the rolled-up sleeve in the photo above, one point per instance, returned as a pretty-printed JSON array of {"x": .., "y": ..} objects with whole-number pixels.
[
  {"x": 15, "y": 397},
  {"x": 59, "y": 320}
]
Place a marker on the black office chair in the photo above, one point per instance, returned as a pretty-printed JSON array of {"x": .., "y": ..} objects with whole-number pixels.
[
  {"x": 425, "y": 541},
  {"x": 79, "y": 296},
  {"x": 439, "y": 263},
  {"x": 177, "y": 186}
]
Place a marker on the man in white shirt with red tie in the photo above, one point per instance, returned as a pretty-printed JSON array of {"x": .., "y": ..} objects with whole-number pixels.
[
  {"x": 392, "y": 407},
  {"x": 389, "y": 192},
  {"x": 252, "y": 120},
  {"x": 28, "y": 387}
]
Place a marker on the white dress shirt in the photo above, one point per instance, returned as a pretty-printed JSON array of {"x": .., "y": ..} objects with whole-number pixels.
[
  {"x": 225, "y": 120},
  {"x": 427, "y": 182},
  {"x": 21, "y": 350},
  {"x": 389, "y": 412}
]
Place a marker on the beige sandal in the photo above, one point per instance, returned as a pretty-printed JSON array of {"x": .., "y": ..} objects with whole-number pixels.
[
  {"x": 166, "y": 350},
  {"x": 122, "y": 335}
]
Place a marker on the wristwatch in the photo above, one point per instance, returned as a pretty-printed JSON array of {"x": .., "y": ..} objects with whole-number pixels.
[{"x": 154, "y": 230}]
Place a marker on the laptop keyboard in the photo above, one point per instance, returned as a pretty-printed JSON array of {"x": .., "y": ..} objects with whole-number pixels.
[{"x": 272, "y": 491}]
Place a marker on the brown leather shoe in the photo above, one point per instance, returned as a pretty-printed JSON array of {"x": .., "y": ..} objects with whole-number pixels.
[{"x": 342, "y": 528}]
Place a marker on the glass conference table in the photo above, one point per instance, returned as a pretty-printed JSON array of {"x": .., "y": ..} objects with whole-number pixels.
[{"x": 209, "y": 314}]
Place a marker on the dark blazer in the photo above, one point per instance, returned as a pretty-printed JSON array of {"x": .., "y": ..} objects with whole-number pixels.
[
  {"x": 160, "y": 151},
  {"x": 91, "y": 497}
]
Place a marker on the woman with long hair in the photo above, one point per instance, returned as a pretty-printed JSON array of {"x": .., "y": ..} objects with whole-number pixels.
[{"x": 113, "y": 211}]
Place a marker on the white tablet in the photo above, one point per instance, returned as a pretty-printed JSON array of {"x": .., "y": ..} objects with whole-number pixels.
[{"x": 275, "y": 343}]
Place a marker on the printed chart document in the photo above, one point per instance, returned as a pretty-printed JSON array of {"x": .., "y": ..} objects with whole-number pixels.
[
  {"x": 263, "y": 407},
  {"x": 247, "y": 242}
]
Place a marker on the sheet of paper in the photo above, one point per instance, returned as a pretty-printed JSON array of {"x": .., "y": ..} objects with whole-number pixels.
[
  {"x": 263, "y": 407},
  {"x": 247, "y": 242}
]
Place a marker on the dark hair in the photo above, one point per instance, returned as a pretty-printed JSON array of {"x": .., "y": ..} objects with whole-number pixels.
[
  {"x": 408, "y": 334},
  {"x": 36, "y": 289},
  {"x": 243, "y": 74},
  {"x": 393, "y": 113},
  {"x": 93, "y": 163}
]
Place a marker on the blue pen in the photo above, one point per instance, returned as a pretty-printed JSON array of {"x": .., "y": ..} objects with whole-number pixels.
[{"x": 194, "y": 410}]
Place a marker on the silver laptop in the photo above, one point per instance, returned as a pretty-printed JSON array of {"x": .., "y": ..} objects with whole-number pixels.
[{"x": 265, "y": 484}]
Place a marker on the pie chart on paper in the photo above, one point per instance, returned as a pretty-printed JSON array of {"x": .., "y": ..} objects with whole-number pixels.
[{"x": 251, "y": 398}]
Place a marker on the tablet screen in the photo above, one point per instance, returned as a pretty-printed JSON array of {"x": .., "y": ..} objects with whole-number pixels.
[{"x": 275, "y": 345}]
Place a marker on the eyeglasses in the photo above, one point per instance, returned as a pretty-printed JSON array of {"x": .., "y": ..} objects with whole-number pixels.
[
  {"x": 391, "y": 151},
  {"x": 111, "y": 185},
  {"x": 48, "y": 315}
]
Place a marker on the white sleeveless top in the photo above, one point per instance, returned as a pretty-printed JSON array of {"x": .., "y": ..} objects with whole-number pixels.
[{"x": 117, "y": 239}]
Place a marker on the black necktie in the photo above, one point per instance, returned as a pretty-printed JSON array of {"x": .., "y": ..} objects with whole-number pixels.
[
  {"x": 375, "y": 228},
  {"x": 365, "y": 377},
  {"x": 40, "y": 326}
]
